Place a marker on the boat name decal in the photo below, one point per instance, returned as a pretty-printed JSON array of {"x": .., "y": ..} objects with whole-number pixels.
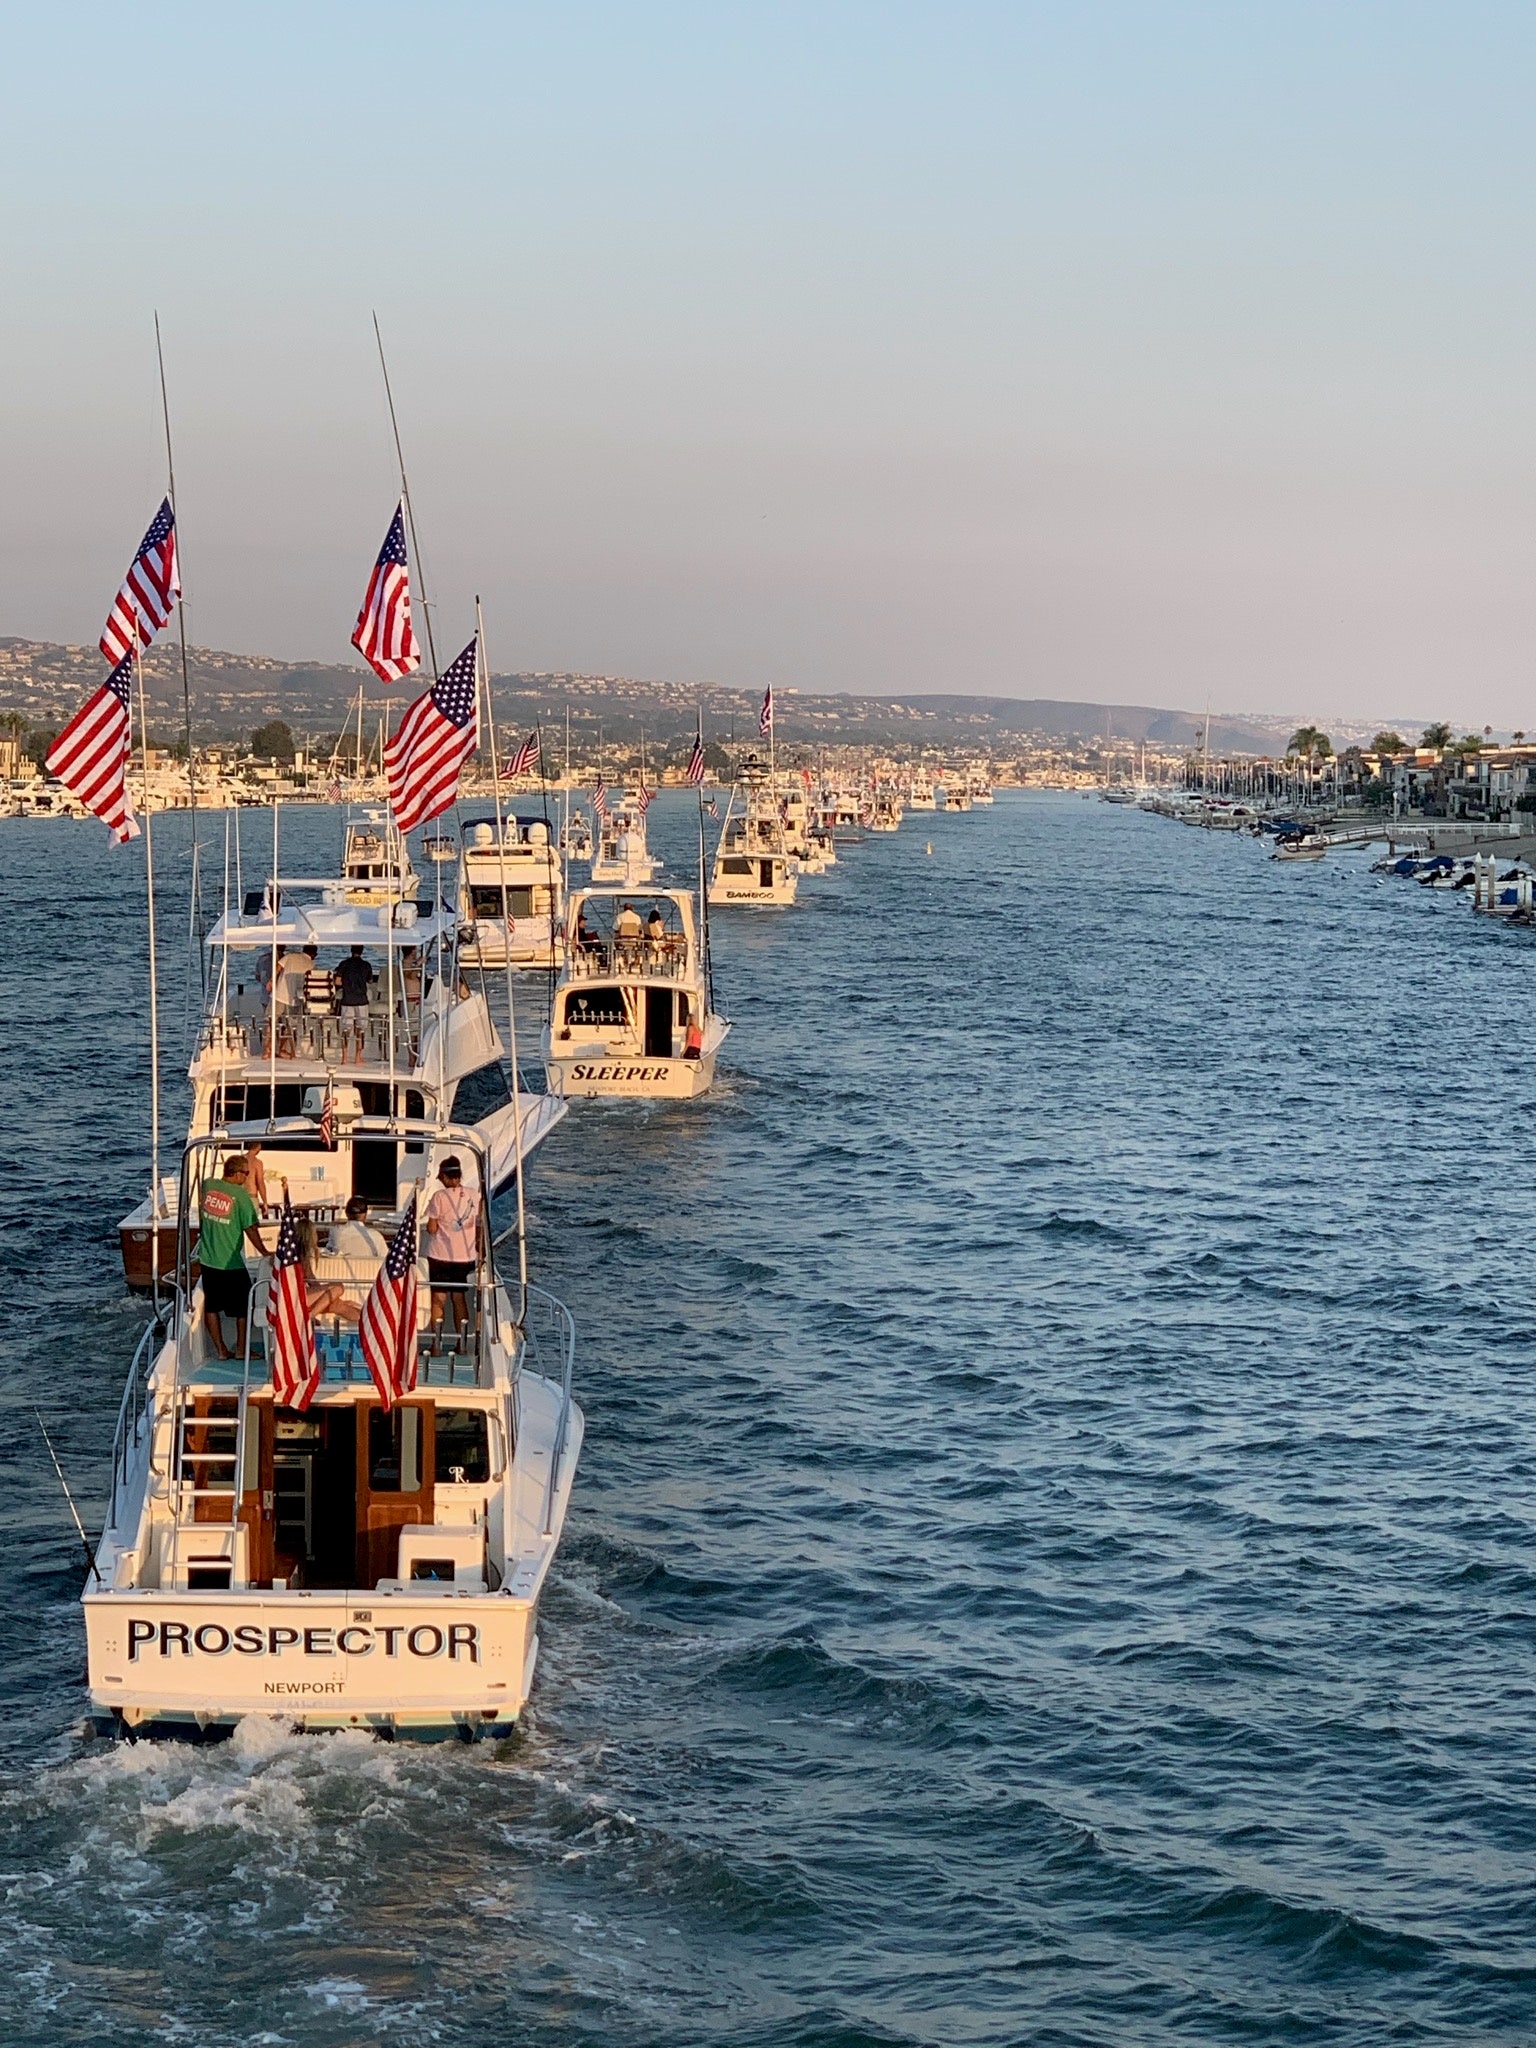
[
  {"x": 585, "y": 1071},
  {"x": 213, "y": 1639}
]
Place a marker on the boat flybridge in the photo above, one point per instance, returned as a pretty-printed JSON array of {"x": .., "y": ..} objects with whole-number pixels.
[
  {"x": 753, "y": 862},
  {"x": 347, "y": 1563},
  {"x": 522, "y": 928},
  {"x": 632, "y": 1012},
  {"x": 920, "y": 796},
  {"x": 422, "y": 1043},
  {"x": 376, "y": 862},
  {"x": 621, "y": 854}
]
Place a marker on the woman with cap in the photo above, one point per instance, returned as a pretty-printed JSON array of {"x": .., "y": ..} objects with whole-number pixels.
[{"x": 451, "y": 1225}]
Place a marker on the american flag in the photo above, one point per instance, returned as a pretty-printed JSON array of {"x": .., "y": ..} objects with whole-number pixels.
[
  {"x": 600, "y": 799},
  {"x": 712, "y": 807},
  {"x": 387, "y": 1329},
  {"x": 383, "y": 635},
  {"x": 333, "y": 792},
  {"x": 432, "y": 742},
  {"x": 149, "y": 592},
  {"x": 525, "y": 760},
  {"x": 290, "y": 1333},
  {"x": 695, "y": 769},
  {"x": 642, "y": 799},
  {"x": 90, "y": 756},
  {"x": 765, "y": 716},
  {"x": 328, "y": 1122}
]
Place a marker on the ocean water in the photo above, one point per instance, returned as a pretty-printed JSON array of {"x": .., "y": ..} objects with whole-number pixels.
[{"x": 1052, "y": 1559}]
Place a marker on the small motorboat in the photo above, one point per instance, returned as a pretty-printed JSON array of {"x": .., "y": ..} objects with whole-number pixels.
[{"x": 1300, "y": 846}]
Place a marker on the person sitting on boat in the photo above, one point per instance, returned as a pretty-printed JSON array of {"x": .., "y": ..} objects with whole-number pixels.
[
  {"x": 356, "y": 1238},
  {"x": 587, "y": 940},
  {"x": 325, "y": 1297},
  {"x": 410, "y": 974},
  {"x": 627, "y": 928},
  {"x": 656, "y": 929},
  {"x": 354, "y": 978},
  {"x": 229, "y": 1218},
  {"x": 452, "y": 1218}
]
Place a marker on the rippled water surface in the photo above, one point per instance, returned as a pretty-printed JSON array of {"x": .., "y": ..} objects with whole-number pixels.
[{"x": 1052, "y": 1556}]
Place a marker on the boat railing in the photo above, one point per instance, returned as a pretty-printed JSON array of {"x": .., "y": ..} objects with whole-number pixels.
[
  {"x": 603, "y": 960},
  {"x": 132, "y": 1412},
  {"x": 549, "y": 1331},
  {"x": 307, "y": 1035}
]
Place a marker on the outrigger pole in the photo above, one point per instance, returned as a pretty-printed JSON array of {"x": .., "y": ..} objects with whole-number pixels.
[
  {"x": 186, "y": 682},
  {"x": 506, "y": 957},
  {"x": 136, "y": 656},
  {"x": 709, "y": 965},
  {"x": 405, "y": 493}
]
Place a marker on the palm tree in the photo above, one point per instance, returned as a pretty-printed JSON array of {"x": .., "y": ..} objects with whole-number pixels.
[{"x": 1310, "y": 740}]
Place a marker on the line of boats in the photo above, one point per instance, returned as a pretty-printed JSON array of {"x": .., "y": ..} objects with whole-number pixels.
[{"x": 357, "y": 1562}]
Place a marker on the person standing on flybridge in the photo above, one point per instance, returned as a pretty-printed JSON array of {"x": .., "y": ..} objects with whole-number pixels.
[{"x": 451, "y": 1217}]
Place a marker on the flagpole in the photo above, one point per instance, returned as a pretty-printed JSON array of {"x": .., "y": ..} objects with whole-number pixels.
[
  {"x": 405, "y": 493},
  {"x": 181, "y": 624},
  {"x": 154, "y": 986},
  {"x": 506, "y": 957}
]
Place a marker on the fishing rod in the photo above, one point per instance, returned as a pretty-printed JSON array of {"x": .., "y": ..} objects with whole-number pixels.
[{"x": 85, "y": 1541}]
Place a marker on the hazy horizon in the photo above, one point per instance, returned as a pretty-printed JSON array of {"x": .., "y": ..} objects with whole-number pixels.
[{"x": 1151, "y": 355}]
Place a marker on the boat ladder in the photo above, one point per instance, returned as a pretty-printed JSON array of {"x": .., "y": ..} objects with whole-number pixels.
[{"x": 207, "y": 1459}]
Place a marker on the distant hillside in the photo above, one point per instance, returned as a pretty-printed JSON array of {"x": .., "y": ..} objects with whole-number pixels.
[{"x": 233, "y": 693}]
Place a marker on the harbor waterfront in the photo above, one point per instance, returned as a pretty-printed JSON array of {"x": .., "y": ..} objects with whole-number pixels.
[{"x": 1052, "y": 1551}]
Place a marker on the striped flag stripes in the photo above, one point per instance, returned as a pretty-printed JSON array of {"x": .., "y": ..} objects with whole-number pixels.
[
  {"x": 387, "y": 1330},
  {"x": 290, "y": 1333},
  {"x": 383, "y": 635},
  {"x": 433, "y": 740},
  {"x": 149, "y": 592},
  {"x": 90, "y": 756}
]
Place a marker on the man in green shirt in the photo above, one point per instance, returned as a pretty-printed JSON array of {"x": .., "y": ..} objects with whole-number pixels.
[{"x": 229, "y": 1217}]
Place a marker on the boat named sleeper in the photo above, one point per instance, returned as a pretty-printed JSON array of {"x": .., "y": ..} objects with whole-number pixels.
[{"x": 632, "y": 1011}]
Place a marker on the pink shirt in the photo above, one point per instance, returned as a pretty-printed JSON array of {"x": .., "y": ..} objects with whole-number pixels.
[{"x": 454, "y": 1211}]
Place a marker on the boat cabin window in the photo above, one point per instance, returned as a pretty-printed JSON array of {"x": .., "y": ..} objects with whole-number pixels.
[
  {"x": 486, "y": 901},
  {"x": 481, "y": 1092},
  {"x": 463, "y": 1454},
  {"x": 736, "y": 864},
  {"x": 394, "y": 1450},
  {"x": 240, "y": 1104},
  {"x": 594, "y": 1006}
]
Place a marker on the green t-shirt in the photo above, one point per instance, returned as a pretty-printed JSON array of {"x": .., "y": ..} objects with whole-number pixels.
[{"x": 227, "y": 1212}]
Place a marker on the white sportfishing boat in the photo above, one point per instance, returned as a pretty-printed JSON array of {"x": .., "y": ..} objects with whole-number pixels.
[
  {"x": 576, "y": 838},
  {"x": 632, "y": 1011},
  {"x": 375, "y": 861},
  {"x": 885, "y": 808},
  {"x": 957, "y": 797},
  {"x": 920, "y": 796},
  {"x": 424, "y": 1045},
  {"x": 753, "y": 863},
  {"x": 344, "y": 1564},
  {"x": 621, "y": 854},
  {"x": 511, "y": 895}
]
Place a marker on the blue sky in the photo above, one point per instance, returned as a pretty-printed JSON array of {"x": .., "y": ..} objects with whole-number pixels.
[{"x": 1159, "y": 353}]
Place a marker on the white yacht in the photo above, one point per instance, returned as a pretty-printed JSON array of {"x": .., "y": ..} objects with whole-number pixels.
[
  {"x": 511, "y": 895},
  {"x": 337, "y": 1562},
  {"x": 753, "y": 864},
  {"x": 375, "y": 861},
  {"x": 632, "y": 1011},
  {"x": 957, "y": 795},
  {"x": 885, "y": 808},
  {"x": 428, "y": 1048},
  {"x": 621, "y": 854},
  {"x": 920, "y": 796}
]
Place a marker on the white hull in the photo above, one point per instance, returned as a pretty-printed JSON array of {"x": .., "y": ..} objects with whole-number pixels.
[
  {"x": 661, "y": 1080},
  {"x": 751, "y": 893}
]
